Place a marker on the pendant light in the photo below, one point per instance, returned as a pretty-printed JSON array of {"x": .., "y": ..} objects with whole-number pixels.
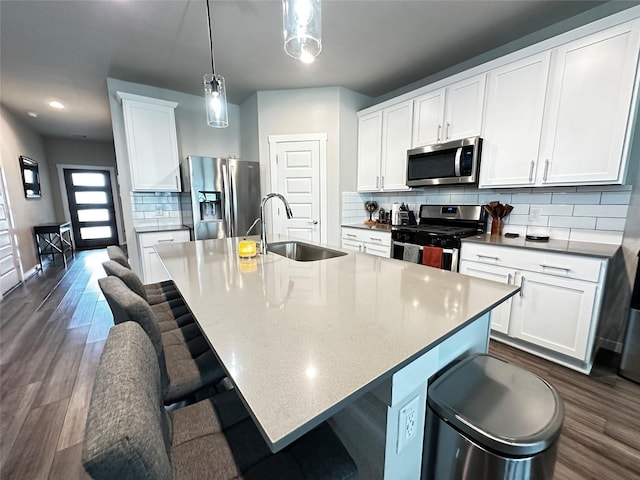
[
  {"x": 302, "y": 29},
  {"x": 215, "y": 93}
]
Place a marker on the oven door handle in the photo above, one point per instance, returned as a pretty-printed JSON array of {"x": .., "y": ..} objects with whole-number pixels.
[
  {"x": 421, "y": 247},
  {"x": 457, "y": 161}
]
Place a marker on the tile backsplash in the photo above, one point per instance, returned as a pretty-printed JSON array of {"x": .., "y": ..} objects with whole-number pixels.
[
  {"x": 588, "y": 214},
  {"x": 155, "y": 209}
]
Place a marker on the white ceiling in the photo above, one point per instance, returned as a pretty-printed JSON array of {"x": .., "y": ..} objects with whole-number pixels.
[{"x": 64, "y": 50}]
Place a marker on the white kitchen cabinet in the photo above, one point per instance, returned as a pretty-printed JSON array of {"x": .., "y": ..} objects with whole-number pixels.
[
  {"x": 449, "y": 113},
  {"x": 580, "y": 137},
  {"x": 556, "y": 312},
  {"x": 513, "y": 122},
  {"x": 152, "y": 144},
  {"x": 373, "y": 242},
  {"x": 152, "y": 268},
  {"x": 383, "y": 140},
  {"x": 590, "y": 93},
  {"x": 501, "y": 314}
]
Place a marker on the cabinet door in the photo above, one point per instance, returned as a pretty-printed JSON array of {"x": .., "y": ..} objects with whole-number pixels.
[
  {"x": 463, "y": 115},
  {"x": 553, "y": 312},
  {"x": 501, "y": 314},
  {"x": 428, "y": 118},
  {"x": 369, "y": 152},
  {"x": 513, "y": 122},
  {"x": 396, "y": 140},
  {"x": 152, "y": 143},
  {"x": 152, "y": 267},
  {"x": 589, "y": 96}
]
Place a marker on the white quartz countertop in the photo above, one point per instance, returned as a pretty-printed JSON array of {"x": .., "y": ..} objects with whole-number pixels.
[
  {"x": 301, "y": 339},
  {"x": 589, "y": 249}
]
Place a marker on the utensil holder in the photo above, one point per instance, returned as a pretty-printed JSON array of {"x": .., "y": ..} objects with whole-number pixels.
[{"x": 496, "y": 227}]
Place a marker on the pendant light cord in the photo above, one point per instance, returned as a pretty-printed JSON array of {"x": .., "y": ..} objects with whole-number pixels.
[{"x": 213, "y": 71}]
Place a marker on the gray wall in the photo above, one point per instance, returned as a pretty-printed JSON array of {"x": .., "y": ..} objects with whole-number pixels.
[
  {"x": 18, "y": 139},
  {"x": 330, "y": 110}
]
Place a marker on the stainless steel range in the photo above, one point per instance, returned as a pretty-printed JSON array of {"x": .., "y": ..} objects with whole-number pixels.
[{"x": 435, "y": 240}]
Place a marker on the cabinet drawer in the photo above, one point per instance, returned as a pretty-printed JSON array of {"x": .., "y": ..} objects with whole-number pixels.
[
  {"x": 366, "y": 235},
  {"x": 155, "y": 238},
  {"x": 549, "y": 263}
]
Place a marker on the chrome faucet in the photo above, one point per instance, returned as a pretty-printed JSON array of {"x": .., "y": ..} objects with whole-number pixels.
[{"x": 263, "y": 225}]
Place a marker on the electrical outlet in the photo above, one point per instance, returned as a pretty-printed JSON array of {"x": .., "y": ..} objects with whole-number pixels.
[
  {"x": 159, "y": 212},
  {"x": 408, "y": 423},
  {"x": 534, "y": 214}
]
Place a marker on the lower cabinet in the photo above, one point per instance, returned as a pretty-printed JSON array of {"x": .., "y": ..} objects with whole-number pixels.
[
  {"x": 152, "y": 268},
  {"x": 373, "y": 242},
  {"x": 556, "y": 312}
]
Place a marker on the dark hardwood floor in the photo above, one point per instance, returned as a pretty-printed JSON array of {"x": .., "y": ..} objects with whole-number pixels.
[{"x": 52, "y": 331}]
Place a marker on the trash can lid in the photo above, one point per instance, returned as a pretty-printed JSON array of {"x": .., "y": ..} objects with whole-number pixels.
[{"x": 498, "y": 405}]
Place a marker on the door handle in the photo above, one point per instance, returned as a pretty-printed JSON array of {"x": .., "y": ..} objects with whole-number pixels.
[
  {"x": 374, "y": 239},
  {"x": 509, "y": 279},
  {"x": 546, "y": 169},
  {"x": 487, "y": 257},
  {"x": 531, "y": 171},
  {"x": 382, "y": 181},
  {"x": 446, "y": 131},
  {"x": 521, "y": 285},
  {"x": 565, "y": 269},
  {"x": 438, "y": 135},
  {"x": 315, "y": 222},
  {"x": 377, "y": 181},
  {"x": 351, "y": 235}
]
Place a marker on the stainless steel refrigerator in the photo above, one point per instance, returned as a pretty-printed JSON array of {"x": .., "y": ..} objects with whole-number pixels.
[{"x": 220, "y": 197}]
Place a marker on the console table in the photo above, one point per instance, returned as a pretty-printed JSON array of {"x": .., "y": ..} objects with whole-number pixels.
[{"x": 53, "y": 239}]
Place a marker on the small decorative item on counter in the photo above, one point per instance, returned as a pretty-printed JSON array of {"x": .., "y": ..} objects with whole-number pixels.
[
  {"x": 370, "y": 207},
  {"x": 247, "y": 248},
  {"x": 497, "y": 211},
  {"x": 381, "y": 215}
]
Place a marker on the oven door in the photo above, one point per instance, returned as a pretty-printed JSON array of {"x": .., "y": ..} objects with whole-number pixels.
[{"x": 449, "y": 255}]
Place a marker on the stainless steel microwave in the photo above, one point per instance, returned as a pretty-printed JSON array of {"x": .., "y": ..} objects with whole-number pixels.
[{"x": 456, "y": 162}]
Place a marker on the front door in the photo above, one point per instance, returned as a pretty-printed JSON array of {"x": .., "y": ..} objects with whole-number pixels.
[
  {"x": 91, "y": 207},
  {"x": 296, "y": 162}
]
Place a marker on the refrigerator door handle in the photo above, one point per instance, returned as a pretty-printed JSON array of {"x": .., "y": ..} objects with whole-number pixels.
[
  {"x": 227, "y": 200},
  {"x": 233, "y": 201}
]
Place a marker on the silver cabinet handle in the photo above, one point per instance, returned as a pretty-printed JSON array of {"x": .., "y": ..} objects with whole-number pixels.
[
  {"x": 488, "y": 257},
  {"x": 177, "y": 183},
  {"x": 382, "y": 181},
  {"x": 375, "y": 239},
  {"x": 446, "y": 131},
  {"x": 521, "y": 285},
  {"x": 546, "y": 169},
  {"x": 377, "y": 181},
  {"x": 531, "y": 171},
  {"x": 165, "y": 240},
  {"x": 553, "y": 267},
  {"x": 509, "y": 279},
  {"x": 439, "y": 129},
  {"x": 352, "y": 235}
]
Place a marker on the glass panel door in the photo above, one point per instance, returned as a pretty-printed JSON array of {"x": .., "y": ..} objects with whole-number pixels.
[{"x": 91, "y": 207}]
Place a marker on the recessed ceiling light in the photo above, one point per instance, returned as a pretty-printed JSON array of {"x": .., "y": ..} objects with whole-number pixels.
[
  {"x": 56, "y": 104},
  {"x": 33, "y": 114}
]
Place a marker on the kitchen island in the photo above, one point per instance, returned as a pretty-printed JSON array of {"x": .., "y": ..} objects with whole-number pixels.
[{"x": 352, "y": 340}]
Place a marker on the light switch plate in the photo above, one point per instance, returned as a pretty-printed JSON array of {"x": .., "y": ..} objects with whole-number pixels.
[{"x": 408, "y": 423}]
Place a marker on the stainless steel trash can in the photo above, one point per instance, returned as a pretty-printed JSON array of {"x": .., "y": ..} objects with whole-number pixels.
[{"x": 489, "y": 419}]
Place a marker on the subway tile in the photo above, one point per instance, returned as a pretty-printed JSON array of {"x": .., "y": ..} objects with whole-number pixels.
[
  {"x": 438, "y": 199},
  {"x": 577, "y": 198},
  {"x": 605, "y": 188},
  {"x": 573, "y": 222},
  {"x": 137, "y": 215},
  {"x": 538, "y": 198},
  {"x": 520, "y": 209},
  {"x": 555, "y": 189},
  {"x": 598, "y": 236},
  {"x": 490, "y": 197},
  {"x": 464, "y": 198},
  {"x": 615, "y": 198},
  {"x": 618, "y": 211},
  {"x": 552, "y": 209},
  {"x": 145, "y": 207},
  {"x": 524, "y": 220},
  {"x": 152, "y": 215},
  {"x": 613, "y": 224}
]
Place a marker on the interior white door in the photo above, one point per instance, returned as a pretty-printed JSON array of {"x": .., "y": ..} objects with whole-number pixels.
[
  {"x": 297, "y": 176},
  {"x": 9, "y": 268}
]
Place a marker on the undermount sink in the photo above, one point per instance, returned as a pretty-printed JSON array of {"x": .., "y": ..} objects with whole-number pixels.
[{"x": 302, "y": 252}]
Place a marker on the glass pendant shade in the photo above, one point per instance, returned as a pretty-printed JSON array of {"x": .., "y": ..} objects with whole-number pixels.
[
  {"x": 302, "y": 29},
  {"x": 215, "y": 97}
]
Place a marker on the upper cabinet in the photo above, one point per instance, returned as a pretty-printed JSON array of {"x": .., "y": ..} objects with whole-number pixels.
[
  {"x": 449, "y": 113},
  {"x": 152, "y": 143},
  {"x": 384, "y": 137},
  {"x": 513, "y": 122},
  {"x": 562, "y": 117}
]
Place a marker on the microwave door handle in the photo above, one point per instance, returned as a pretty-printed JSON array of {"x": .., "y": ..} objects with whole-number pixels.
[{"x": 457, "y": 161}]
